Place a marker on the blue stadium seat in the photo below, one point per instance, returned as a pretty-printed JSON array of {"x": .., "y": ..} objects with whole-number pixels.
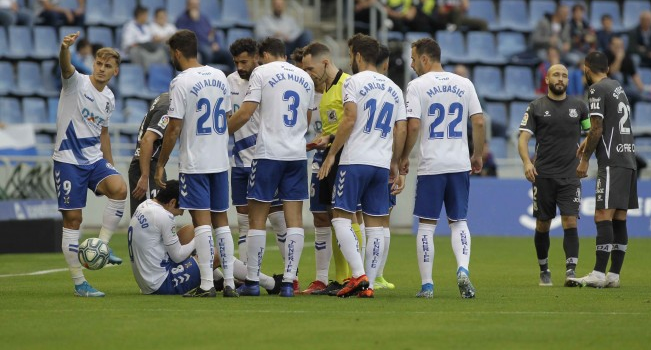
[
  {"x": 600, "y": 8},
  {"x": 51, "y": 78},
  {"x": 131, "y": 82},
  {"x": 69, "y": 4},
  {"x": 8, "y": 79},
  {"x": 393, "y": 36},
  {"x": 510, "y": 43},
  {"x": 4, "y": 46},
  {"x": 20, "y": 42},
  {"x": 482, "y": 48},
  {"x": 122, "y": 12},
  {"x": 52, "y": 107},
  {"x": 152, "y": 5},
  {"x": 67, "y": 30},
  {"x": 632, "y": 10},
  {"x": 641, "y": 122},
  {"x": 127, "y": 145},
  {"x": 643, "y": 147},
  {"x": 236, "y": 12},
  {"x": 101, "y": 35},
  {"x": 645, "y": 75},
  {"x": 516, "y": 113},
  {"x": 34, "y": 110},
  {"x": 497, "y": 112},
  {"x": 237, "y": 33},
  {"x": 498, "y": 147},
  {"x": 174, "y": 9},
  {"x": 135, "y": 110},
  {"x": 488, "y": 83},
  {"x": 118, "y": 114},
  {"x": 538, "y": 9},
  {"x": 453, "y": 46},
  {"x": 159, "y": 77},
  {"x": 98, "y": 12},
  {"x": 518, "y": 82},
  {"x": 11, "y": 113},
  {"x": 514, "y": 15},
  {"x": 484, "y": 9},
  {"x": 220, "y": 37},
  {"x": 46, "y": 43},
  {"x": 44, "y": 144},
  {"x": 212, "y": 9},
  {"x": 28, "y": 79}
]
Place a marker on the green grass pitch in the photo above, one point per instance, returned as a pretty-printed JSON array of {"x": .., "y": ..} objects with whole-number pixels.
[{"x": 510, "y": 311}]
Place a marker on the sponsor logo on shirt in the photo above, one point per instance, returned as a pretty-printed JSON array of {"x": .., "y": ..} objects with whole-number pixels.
[
  {"x": 162, "y": 123},
  {"x": 525, "y": 119}
]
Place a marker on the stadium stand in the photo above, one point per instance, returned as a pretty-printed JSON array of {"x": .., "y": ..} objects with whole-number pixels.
[
  {"x": 46, "y": 43},
  {"x": 514, "y": 15}
]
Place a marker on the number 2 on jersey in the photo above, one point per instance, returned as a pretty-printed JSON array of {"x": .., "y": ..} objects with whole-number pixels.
[
  {"x": 437, "y": 111},
  {"x": 384, "y": 118},
  {"x": 218, "y": 115}
]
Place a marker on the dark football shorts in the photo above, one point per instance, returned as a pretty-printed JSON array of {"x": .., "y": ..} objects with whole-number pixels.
[
  {"x": 616, "y": 188},
  {"x": 548, "y": 193}
]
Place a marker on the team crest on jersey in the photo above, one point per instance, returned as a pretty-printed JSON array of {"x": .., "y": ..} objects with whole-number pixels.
[
  {"x": 162, "y": 123},
  {"x": 573, "y": 113}
]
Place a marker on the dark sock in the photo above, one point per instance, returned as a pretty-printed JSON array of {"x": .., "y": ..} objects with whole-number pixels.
[
  {"x": 571, "y": 247},
  {"x": 541, "y": 240},
  {"x": 620, "y": 240},
  {"x": 604, "y": 244}
]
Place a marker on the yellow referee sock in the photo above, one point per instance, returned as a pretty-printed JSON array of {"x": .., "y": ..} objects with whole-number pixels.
[{"x": 342, "y": 271}]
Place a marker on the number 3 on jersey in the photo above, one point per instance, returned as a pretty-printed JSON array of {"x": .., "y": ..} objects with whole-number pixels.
[
  {"x": 218, "y": 116},
  {"x": 437, "y": 111},
  {"x": 290, "y": 120}
]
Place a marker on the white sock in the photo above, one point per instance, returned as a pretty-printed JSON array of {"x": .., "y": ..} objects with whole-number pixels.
[
  {"x": 203, "y": 243},
  {"x": 226, "y": 249},
  {"x": 267, "y": 282},
  {"x": 293, "y": 250},
  {"x": 256, "y": 241},
  {"x": 323, "y": 252},
  {"x": 425, "y": 251},
  {"x": 385, "y": 252},
  {"x": 362, "y": 250},
  {"x": 460, "y": 238},
  {"x": 348, "y": 245},
  {"x": 217, "y": 274},
  {"x": 374, "y": 252},
  {"x": 70, "y": 248},
  {"x": 111, "y": 218},
  {"x": 279, "y": 226},
  {"x": 243, "y": 225},
  {"x": 239, "y": 270}
]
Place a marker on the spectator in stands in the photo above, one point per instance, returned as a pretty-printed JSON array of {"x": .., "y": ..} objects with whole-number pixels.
[
  {"x": 605, "y": 33},
  {"x": 209, "y": 48},
  {"x": 11, "y": 14},
  {"x": 553, "y": 30},
  {"x": 583, "y": 36},
  {"x": 137, "y": 41},
  {"x": 408, "y": 15},
  {"x": 622, "y": 68},
  {"x": 160, "y": 28},
  {"x": 51, "y": 14},
  {"x": 640, "y": 39},
  {"x": 553, "y": 57},
  {"x": 82, "y": 59},
  {"x": 282, "y": 26},
  {"x": 490, "y": 167},
  {"x": 452, "y": 14}
]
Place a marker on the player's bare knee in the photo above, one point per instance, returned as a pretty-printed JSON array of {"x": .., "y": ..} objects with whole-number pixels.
[
  {"x": 321, "y": 219},
  {"x": 185, "y": 234},
  {"x": 72, "y": 219},
  {"x": 242, "y": 209},
  {"x": 568, "y": 221},
  {"x": 219, "y": 219},
  {"x": 543, "y": 225}
]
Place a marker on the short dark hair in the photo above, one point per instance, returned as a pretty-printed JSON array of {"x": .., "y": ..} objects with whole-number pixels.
[
  {"x": 159, "y": 10},
  {"x": 366, "y": 46},
  {"x": 243, "y": 45},
  {"x": 316, "y": 49},
  {"x": 298, "y": 54},
  {"x": 428, "y": 47},
  {"x": 185, "y": 41},
  {"x": 597, "y": 61},
  {"x": 272, "y": 46},
  {"x": 82, "y": 43},
  {"x": 606, "y": 16},
  {"x": 139, "y": 10},
  {"x": 171, "y": 191},
  {"x": 382, "y": 55}
]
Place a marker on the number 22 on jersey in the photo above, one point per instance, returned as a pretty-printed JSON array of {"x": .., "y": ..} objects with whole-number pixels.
[{"x": 437, "y": 130}]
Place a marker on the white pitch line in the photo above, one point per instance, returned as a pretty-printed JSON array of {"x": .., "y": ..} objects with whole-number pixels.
[{"x": 42, "y": 272}]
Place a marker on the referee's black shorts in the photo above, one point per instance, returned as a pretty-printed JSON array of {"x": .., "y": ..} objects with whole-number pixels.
[
  {"x": 326, "y": 185},
  {"x": 548, "y": 193}
]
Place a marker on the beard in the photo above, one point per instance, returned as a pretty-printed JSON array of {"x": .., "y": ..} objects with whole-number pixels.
[
  {"x": 354, "y": 67},
  {"x": 176, "y": 65},
  {"x": 557, "y": 90},
  {"x": 587, "y": 78},
  {"x": 244, "y": 74}
]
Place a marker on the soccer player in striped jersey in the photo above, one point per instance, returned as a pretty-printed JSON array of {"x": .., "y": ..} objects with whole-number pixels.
[
  {"x": 284, "y": 95},
  {"x": 82, "y": 154},
  {"x": 245, "y": 56},
  {"x": 373, "y": 107},
  {"x": 439, "y": 104},
  {"x": 200, "y": 102}
]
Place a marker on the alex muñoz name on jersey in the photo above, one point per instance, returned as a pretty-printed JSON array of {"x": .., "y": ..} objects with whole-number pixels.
[{"x": 289, "y": 76}]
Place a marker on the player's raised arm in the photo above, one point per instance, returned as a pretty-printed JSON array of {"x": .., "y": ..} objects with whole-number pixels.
[{"x": 67, "y": 69}]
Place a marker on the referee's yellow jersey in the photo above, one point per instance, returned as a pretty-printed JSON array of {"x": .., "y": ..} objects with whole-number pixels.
[{"x": 331, "y": 108}]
